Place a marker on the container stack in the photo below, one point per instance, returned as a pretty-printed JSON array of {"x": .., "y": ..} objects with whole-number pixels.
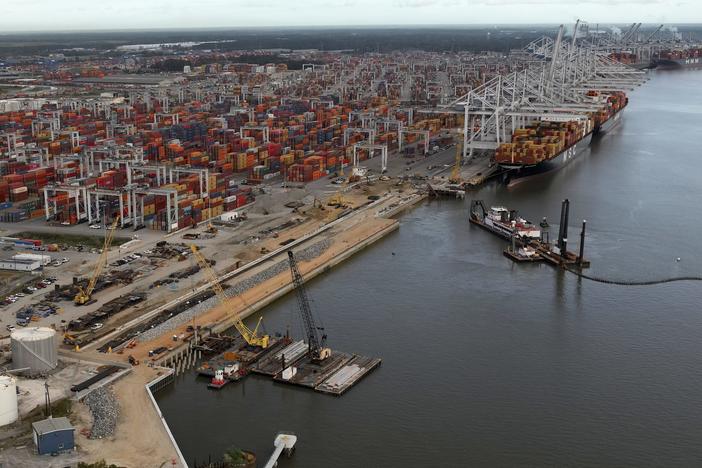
[{"x": 541, "y": 141}]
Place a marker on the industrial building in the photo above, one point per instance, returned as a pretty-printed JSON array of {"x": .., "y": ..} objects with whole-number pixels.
[
  {"x": 43, "y": 259},
  {"x": 53, "y": 435},
  {"x": 20, "y": 264}
]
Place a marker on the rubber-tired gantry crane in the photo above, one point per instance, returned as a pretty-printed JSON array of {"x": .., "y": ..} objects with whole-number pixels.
[
  {"x": 317, "y": 351},
  {"x": 83, "y": 296},
  {"x": 250, "y": 336}
]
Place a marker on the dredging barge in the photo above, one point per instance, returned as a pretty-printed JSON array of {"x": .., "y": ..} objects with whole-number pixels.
[{"x": 529, "y": 243}]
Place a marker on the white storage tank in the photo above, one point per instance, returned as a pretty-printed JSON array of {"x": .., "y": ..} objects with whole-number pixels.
[
  {"x": 34, "y": 348},
  {"x": 8, "y": 400}
]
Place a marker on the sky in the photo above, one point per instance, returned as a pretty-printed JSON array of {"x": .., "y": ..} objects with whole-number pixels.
[{"x": 56, "y": 15}]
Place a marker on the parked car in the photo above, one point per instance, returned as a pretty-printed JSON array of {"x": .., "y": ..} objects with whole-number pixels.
[
  {"x": 19, "y": 295},
  {"x": 11, "y": 328},
  {"x": 96, "y": 327},
  {"x": 95, "y": 226},
  {"x": 65, "y": 260}
]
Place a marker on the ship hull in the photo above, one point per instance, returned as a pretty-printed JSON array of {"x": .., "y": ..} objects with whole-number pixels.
[
  {"x": 560, "y": 159},
  {"x": 676, "y": 64},
  {"x": 520, "y": 174},
  {"x": 610, "y": 123}
]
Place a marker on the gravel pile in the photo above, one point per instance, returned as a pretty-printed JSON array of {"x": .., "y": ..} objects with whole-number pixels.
[
  {"x": 105, "y": 410},
  {"x": 313, "y": 251}
]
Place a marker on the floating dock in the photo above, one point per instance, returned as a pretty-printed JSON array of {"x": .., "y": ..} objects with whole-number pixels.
[
  {"x": 215, "y": 344},
  {"x": 521, "y": 257},
  {"x": 273, "y": 364},
  {"x": 307, "y": 373},
  {"x": 349, "y": 374},
  {"x": 240, "y": 352},
  {"x": 446, "y": 189},
  {"x": 333, "y": 376}
]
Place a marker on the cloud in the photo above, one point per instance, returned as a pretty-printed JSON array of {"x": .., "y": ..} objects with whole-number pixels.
[{"x": 91, "y": 15}]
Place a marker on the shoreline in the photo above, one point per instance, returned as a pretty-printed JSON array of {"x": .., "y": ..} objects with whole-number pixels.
[{"x": 347, "y": 236}]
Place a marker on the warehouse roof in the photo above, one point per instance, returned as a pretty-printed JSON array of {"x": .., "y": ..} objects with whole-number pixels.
[
  {"x": 52, "y": 425},
  {"x": 26, "y": 261}
]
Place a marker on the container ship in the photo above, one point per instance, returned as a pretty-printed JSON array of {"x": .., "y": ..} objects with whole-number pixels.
[
  {"x": 631, "y": 59},
  {"x": 676, "y": 59},
  {"x": 546, "y": 144},
  {"x": 613, "y": 103},
  {"x": 556, "y": 139}
]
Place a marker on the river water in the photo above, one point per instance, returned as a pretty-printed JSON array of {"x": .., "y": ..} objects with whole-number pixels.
[{"x": 488, "y": 363}]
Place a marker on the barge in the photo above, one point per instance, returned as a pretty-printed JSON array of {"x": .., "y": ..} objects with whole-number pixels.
[{"x": 529, "y": 244}]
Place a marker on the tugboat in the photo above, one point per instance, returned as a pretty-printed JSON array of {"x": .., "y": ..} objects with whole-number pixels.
[
  {"x": 224, "y": 375},
  {"x": 218, "y": 381},
  {"x": 503, "y": 222}
]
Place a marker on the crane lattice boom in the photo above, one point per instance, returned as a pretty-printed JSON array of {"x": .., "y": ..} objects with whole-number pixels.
[
  {"x": 84, "y": 295},
  {"x": 316, "y": 344},
  {"x": 251, "y": 336}
]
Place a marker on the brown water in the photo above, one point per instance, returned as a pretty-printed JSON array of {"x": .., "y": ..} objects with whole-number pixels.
[{"x": 488, "y": 363}]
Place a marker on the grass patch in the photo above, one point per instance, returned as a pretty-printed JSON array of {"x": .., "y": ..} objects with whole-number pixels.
[
  {"x": 59, "y": 409},
  {"x": 70, "y": 239}
]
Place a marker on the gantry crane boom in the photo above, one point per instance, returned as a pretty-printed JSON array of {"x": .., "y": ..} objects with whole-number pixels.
[
  {"x": 251, "y": 336},
  {"x": 84, "y": 295},
  {"x": 316, "y": 344}
]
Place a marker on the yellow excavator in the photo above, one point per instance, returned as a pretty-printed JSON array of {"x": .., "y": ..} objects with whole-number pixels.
[
  {"x": 83, "y": 296},
  {"x": 251, "y": 336}
]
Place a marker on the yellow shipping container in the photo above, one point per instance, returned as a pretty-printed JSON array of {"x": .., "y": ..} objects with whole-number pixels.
[{"x": 241, "y": 160}]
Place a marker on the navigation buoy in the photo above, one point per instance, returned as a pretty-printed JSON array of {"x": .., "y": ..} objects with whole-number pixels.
[{"x": 677, "y": 259}]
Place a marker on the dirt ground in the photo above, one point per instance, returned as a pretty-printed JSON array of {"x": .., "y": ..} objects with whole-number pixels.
[
  {"x": 344, "y": 237},
  {"x": 140, "y": 440}
]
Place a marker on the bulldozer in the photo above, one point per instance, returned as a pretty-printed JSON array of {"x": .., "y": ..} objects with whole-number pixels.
[{"x": 211, "y": 229}]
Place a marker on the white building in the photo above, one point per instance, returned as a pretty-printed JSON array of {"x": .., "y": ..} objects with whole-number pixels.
[
  {"x": 20, "y": 264},
  {"x": 44, "y": 259}
]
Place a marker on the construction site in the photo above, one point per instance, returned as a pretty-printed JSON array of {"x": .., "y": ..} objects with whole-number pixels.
[{"x": 168, "y": 211}]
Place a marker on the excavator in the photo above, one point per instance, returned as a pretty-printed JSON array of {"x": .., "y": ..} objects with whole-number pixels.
[
  {"x": 250, "y": 336},
  {"x": 84, "y": 295}
]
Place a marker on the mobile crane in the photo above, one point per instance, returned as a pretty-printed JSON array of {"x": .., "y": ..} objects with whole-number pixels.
[
  {"x": 250, "y": 336},
  {"x": 84, "y": 295},
  {"x": 318, "y": 352}
]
